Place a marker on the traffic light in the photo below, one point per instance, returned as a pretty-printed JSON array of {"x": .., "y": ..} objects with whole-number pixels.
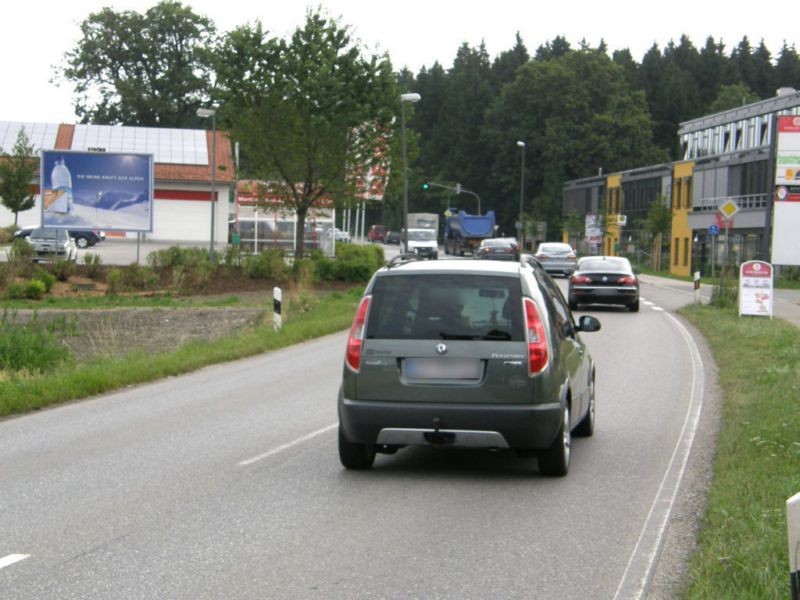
[{"x": 425, "y": 184}]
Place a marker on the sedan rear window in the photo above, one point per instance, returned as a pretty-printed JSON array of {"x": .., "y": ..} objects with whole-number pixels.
[
  {"x": 446, "y": 307},
  {"x": 605, "y": 264}
]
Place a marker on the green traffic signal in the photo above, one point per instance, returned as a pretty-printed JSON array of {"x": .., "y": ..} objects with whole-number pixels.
[{"x": 425, "y": 184}]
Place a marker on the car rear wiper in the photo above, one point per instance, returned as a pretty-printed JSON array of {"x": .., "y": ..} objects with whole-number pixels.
[
  {"x": 497, "y": 334},
  {"x": 457, "y": 336}
]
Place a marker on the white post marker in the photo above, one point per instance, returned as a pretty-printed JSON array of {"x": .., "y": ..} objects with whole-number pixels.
[
  {"x": 276, "y": 308},
  {"x": 697, "y": 287},
  {"x": 793, "y": 526}
]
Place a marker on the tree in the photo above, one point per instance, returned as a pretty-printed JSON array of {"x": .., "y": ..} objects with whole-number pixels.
[
  {"x": 309, "y": 112},
  {"x": 658, "y": 224},
  {"x": 787, "y": 68},
  {"x": 142, "y": 69},
  {"x": 17, "y": 170},
  {"x": 731, "y": 96}
]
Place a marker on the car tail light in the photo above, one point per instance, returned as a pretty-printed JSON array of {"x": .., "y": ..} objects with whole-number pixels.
[
  {"x": 540, "y": 256},
  {"x": 355, "y": 339},
  {"x": 580, "y": 279},
  {"x": 627, "y": 280},
  {"x": 538, "y": 354},
  {"x": 571, "y": 255}
]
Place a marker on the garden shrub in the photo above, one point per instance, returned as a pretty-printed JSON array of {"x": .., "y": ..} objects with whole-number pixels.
[
  {"x": 33, "y": 289},
  {"x": 92, "y": 262},
  {"x": 267, "y": 265},
  {"x": 48, "y": 279},
  {"x": 63, "y": 269}
]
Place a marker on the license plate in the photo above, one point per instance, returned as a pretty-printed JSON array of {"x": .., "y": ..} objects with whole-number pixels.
[{"x": 442, "y": 368}]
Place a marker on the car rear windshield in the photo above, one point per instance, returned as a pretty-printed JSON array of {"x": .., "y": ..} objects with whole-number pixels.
[
  {"x": 446, "y": 307},
  {"x": 555, "y": 248},
  {"x": 605, "y": 264}
]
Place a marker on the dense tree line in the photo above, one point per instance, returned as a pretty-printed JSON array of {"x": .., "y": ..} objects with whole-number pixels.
[{"x": 578, "y": 109}]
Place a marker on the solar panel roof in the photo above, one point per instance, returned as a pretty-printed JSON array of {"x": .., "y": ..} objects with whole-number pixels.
[
  {"x": 42, "y": 136},
  {"x": 173, "y": 146}
]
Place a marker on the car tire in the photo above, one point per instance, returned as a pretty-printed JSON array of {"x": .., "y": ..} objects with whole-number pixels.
[
  {"x": 634, "y": 307},
  {"x": 555, "y": 460},
  {"x": 355, "y": 456},
  {"x": 586, "y": 427},
  {"x": 81, "y": 242}
]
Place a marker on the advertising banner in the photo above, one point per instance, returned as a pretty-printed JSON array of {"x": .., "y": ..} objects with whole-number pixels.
[
  {"x": 755, "y": 288},
  {"x": 93, "y": 190},
  {"x": 594, "y": 233},
  {"x": 786, "y": 208}
]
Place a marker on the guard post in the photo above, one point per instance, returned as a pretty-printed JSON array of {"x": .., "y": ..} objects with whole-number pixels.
[
  {"x": 793, "y": 526},
  {"x": 696, "y": 287},
  {"x": 276, "y": 308}
]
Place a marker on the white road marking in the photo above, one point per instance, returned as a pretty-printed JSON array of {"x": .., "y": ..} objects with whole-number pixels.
[
  {"x": 287, "y": 445},
  {"x": 639, "y": 569},
  {"x": 656, "y": 308},
  {"x": 647, "y": 302},
  {"x": 9, "y": 560}
]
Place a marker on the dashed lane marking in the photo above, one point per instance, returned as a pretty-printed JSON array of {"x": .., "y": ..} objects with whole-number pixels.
[
  {"x": 287, "y": 445},
  {"x": 9, "y": 560}
]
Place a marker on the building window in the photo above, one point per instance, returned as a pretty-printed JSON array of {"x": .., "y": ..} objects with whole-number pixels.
[
  {"x": 675, "y": 254},
  {"x": 688, "y": 197},
  {"x": 686, "y": 252}
]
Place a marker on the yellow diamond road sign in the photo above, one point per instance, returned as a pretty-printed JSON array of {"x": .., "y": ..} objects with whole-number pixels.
[{"x": 728, "y": 209}]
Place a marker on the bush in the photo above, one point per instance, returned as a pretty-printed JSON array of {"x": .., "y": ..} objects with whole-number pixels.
[
  {"x": 32, "y": 346},
  {"x": 133, "y": 278},
  {"x": 267, "y": 265},
  {"x": 92, "y": 262},
  {"x": 175, "y": 256},
  {"x": 7, "y": 234},
  {"x": 32, "y": 289},
  {"x": 63, "y": 269},
  {"x": 305, "y": 272},
  {"x": 48, "y": 279},
  {"x": 20, "y": 255},
  {"x": 357, "y": 263}
]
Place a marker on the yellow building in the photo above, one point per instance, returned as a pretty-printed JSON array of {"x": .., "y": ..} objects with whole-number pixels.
[
  {"x": 680, "y": 260},
  {"x": 613, "y": 209}
]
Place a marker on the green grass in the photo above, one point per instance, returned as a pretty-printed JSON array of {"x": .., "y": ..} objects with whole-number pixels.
[
  {"x": 742, "y": 547},
  {"x": 21, "y": 392}
]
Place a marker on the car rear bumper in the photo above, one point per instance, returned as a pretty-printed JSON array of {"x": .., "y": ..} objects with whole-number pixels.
[
  {"x": 461, "y": 425},
  {"x": 554, "y": 266},
  {"x": 619, "y": 295}
]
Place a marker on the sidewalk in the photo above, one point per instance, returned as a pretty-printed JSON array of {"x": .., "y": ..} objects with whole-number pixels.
[{"x": 785, "y": 304}]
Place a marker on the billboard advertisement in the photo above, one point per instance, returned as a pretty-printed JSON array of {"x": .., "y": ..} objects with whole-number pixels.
[
  {"x": 786, "y": 208},
  {"x": 92, "y": 190}
]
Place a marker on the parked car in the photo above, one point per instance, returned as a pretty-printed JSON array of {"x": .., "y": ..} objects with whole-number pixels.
[
  {"x": 52, "y": 244},
  {"x": 394, "y": 237},
  {"x": 604, "y": 280},
  {"x": 84, "y": 238},
  {"x": 556, "y": 257},
  {"x": 341, "y": 236},
  {"x": 498, "y": 249},
  {"x": 377, "y": 233},
  {"x": 474, "y": 354}
]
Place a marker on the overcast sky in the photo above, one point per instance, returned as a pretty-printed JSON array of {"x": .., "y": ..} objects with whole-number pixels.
[{"x": 34, "y": 35}]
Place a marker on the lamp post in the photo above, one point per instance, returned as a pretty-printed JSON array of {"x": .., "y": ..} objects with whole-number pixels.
[
  {"x": 521, "y": 196},
  {"x": 412, "y": 97},
  {"x": 205, "y": 113}
]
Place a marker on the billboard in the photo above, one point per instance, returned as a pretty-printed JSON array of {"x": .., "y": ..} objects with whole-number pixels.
[
  {"x": 786, "y": 210},
  {"x": 112, "y": 191}
]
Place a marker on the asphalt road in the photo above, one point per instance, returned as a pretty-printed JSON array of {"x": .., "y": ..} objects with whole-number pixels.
[{"x": 226, "y": 483}]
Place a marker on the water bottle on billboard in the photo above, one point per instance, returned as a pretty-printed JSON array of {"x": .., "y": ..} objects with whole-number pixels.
[{"x": 60, "y": 200}]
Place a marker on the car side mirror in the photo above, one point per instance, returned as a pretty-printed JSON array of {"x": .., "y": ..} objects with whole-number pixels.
[{"x": 588, "y": 324}]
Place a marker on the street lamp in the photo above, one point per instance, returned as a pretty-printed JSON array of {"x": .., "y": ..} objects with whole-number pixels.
[
  {"x": 412, "y": 97},
  {"x": 205, "y": 113},
  {"x": 521, "y": 195}
]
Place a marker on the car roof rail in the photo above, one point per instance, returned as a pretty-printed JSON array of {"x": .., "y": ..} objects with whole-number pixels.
[{"x": 402, "y": 259}]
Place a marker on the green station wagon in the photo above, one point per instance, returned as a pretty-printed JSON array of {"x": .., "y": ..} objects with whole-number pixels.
[{"x": 475, "y": 354}]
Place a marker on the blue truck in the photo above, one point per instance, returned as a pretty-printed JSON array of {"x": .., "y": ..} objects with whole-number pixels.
[{"x": 463, "y": 232}]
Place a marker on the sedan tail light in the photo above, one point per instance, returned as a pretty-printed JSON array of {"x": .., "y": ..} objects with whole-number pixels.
[
  {"x": 627, "y": 280},
  {"x": 578, "y": 279},
  {"x": 538, "y": 354},
  {"x": 356, "y": 337},
  {"x": 540, "y": 257},
  {"x": 571, "y": 255}
]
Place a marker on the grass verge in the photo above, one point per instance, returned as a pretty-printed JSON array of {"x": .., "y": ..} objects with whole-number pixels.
[
  {"x": 742, "y": 549},
  {"x": 21, "y": 393}
]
